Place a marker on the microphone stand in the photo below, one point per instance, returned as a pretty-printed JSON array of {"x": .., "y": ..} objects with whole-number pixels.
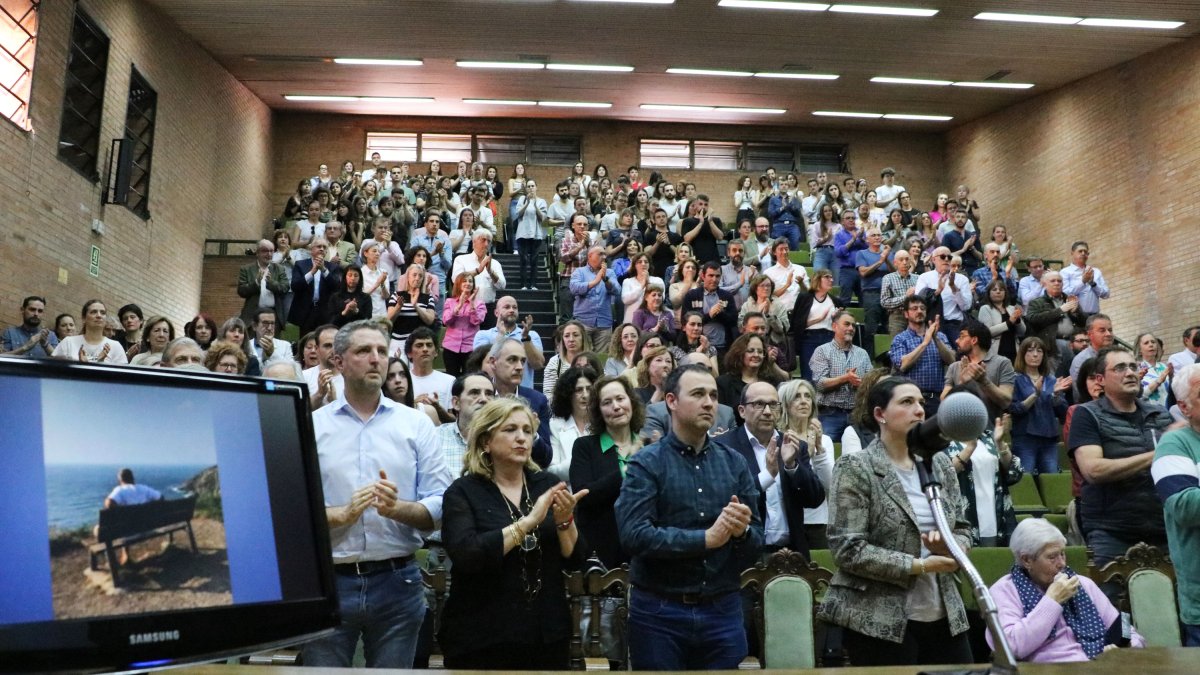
[{"x": 1003, "y": 660}]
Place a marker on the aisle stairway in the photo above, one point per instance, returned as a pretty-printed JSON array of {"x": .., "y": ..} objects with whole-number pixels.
[{"x": 539, "y": 303}]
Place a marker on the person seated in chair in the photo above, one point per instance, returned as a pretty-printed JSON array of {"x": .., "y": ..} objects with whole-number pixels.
[
  {"x": 128, "y": 492},
  {"x": 1041, "y": 609}
]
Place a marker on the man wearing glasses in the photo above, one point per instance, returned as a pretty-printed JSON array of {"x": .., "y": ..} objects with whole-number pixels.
[
  {"x": 1054, "y": 318},
  {"x": 780, "y": 463},
  {"x": 947, "y": 292},
  {"x": 1113, "y": 440},
  {"x": 1084, "y": 281},
  {"x": 838, "y": 367}
]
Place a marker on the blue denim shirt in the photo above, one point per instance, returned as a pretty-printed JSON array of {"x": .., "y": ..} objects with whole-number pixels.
[
  {"x": 671, "y": 494},
  {"x": 593, "y": 306}
]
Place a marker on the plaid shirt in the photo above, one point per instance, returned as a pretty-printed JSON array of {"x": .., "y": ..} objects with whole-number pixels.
[
  {"x": 570, "y": 264},
  {"x": 928, "y": 372},
  {"x": 895, "y": 290},
  {"x": 830, "y": 361},
  {"x": 453, "y": 447}
]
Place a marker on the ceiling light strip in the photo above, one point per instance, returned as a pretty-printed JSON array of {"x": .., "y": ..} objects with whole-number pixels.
[
  {"x": 995, "y": 85},
  {"x": 1029, "y": 18},
  {"x": 917, "y": 118},
  {"x": 705, "y": 71},
  {"x": 843, "y": 113},
  {"x": 677, "y": 108},
  {"x": 515, "y": 65},
  {"x": 492, "y": 101},
  {"x": 635, "y": 2},
  {"x": 356, "y": 99},
  {"x": 591, "y": 68},
  {"x": 911, "y": 80},
  {"x": 775, "y": 4},
  {"x": 354, "y": 61},
  {"x": 1131, "y": 23},
  {"x": 799, "y": 76},
  {"x": 1096, "y": 22},
  {"x": 884, "y": 11},
  {"x": 574, "y": 104}
]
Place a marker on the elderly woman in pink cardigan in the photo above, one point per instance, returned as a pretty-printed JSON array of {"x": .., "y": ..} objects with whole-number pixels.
[{"x": 1048, "y": 612}]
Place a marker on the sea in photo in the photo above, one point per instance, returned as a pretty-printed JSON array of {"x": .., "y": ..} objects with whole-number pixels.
[{"x": 75, "y": 492}]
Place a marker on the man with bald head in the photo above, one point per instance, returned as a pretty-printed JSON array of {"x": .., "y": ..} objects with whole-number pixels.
[
  {"x": 780, "y": 463},
  {"x": 895, "y": 288},
  {"x": 1053, "y": 318},
  {"x": 181, "y": 352},
  {"x": 262, "y": 284},
  {"x": 507, "y": 326},
  {"x": 947, "y": 293}
]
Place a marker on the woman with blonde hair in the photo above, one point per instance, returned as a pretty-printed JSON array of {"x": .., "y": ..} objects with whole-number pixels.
[
  {"x": 652, "y": 371},
  {"x": 620, "y": 349},
  {"x": 798, "y": 414},
  {"x": 570, "y": 340},
  {"x": 509, "y": 529}
]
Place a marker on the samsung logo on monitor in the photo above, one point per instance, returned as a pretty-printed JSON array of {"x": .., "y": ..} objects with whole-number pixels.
[{"x": 156, "y": 636}]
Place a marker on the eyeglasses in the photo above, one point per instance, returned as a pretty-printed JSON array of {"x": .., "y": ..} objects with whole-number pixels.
[
  {"x": 775, "y": 406},
  {"x": 944, "y": 257},
  {"x": 1123, "y": 367}
]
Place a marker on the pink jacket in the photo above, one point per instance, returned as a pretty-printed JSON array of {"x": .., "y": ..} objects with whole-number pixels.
[{"x": 461, "y": 327}]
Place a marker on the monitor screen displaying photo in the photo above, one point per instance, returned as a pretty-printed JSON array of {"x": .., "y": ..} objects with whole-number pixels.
[{"x": 152, "y": 515}]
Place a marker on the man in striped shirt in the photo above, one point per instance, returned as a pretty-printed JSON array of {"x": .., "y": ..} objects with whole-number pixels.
[{"x": 1176, "y": 473}]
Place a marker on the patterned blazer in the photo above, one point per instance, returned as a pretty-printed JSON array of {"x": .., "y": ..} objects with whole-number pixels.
[{"x": 874, "y": 538}]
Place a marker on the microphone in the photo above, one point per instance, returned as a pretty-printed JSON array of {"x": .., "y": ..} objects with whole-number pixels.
[{"x": 961, "y": 417}]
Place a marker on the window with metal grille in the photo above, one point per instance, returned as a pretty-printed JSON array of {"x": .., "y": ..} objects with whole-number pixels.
[
  {"x": 718, "y": 156},
  {"x": 83, "y": 101},
  {"x": 140, "y": 117},
  {"x": 18, "y": 44},
  {"x": 759, "y": 156},
  {"x": 661, "y": 154},
  {"x": 392, "y": 147},
  {"x": 502, "y": 150},
  {"x": 827, "y": 158},
  {"x": 564, "y": 151},
  {"x": 446, "y": 148}
]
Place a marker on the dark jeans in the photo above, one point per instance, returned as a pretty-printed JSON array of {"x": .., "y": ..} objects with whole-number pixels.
[
  {"x": 850, "y": 283},
  {"x": 528, "y": 248},
  {"x": 875, "y": 319},
  {"x": 950, "y": 330},
  {"x": 930, "y": 404},
  {"x": 1191, "y": 635},
  {"x": 925, "y": 642},
  {"x": 668, "y": 635},
  {"x": 833, "y": 421},
  {"x": 566, "y": 301},
  {"x": 1107, "y": 547},
  {"x": 1038, "y": 455},
  {"x": 454, "y": 362},
  {"x": 489, "y": 316},
  {"x": 790, "y": 231},
  {"x": 813, "y": 338},
  {"x": 385, "y": 609}
]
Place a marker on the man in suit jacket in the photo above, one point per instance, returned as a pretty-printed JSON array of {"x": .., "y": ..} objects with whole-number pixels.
[
  {"x": 263, "y": 273},
  {"x": 718, "y": 307},
  {"x": 658, "y": 421},
  {"x": 781, "y": 466},
  {"x": 314, "y": 282}
]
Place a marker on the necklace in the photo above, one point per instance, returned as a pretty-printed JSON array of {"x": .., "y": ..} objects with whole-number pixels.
[{"x": 529, "y": 545}]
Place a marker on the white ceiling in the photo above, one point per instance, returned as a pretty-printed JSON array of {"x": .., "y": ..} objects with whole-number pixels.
[{"x": 278, "y": 47}]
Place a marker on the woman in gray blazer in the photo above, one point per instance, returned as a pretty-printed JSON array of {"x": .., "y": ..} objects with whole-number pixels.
[{"x": 894, "y": 591}]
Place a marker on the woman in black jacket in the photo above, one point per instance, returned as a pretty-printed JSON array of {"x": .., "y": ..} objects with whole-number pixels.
[
  {"x": 811, "y": 320},
  {"x": 350, "y": 303}
]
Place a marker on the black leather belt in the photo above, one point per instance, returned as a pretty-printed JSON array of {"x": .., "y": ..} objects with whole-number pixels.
[
  {"x": 687, "y": 598},
  {"x": 930, "y": 395},
  {"x": 369, "y": 567}
]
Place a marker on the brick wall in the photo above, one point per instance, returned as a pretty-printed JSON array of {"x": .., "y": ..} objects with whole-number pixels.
[
  {"x": 1111, "y": 159},
  {"x": 210, "y": 174},
  {"x": 304, "y": 141}
]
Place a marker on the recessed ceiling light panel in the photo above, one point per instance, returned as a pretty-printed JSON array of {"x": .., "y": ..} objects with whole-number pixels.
[
  {"x": 586, "y": 67},
  {"x": 798, "y": 76},
  {"x": 911, "y": 80},
  {"x": 705, "y": 71},
  {"x": 775, "y": 4},
  {"x": 377, "y": 62},
  {"x": 885, "y": 11},
  {"x": 516, "y": 65},
  {"x": 842, "y": 113},
  {"x": 1029, "y": 18}
]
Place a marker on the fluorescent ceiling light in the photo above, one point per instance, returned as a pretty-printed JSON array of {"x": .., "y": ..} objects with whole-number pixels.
[
  {"x": 838, "y": 113},
  {"x": 520, "y": 65},
  {"x": 635, "y": 2},
  {"x": 574, "y": 104},
  {"x": 995, "y": 85},
  {"x": 1028, "y": 18},
  {"x": 589, "y": 67},
  {"x": 378, "y": 62},
  {"x": 757, "y": 111},
  {"x": 921, "y": 118},
  {"x": 492, "y": 101},
  {"x": 798, "y": 76},
  {"x": 887, "y": 11},
  {"x": 1130, "y": 23},
  {"x": 911, "y": 80},
  {"x": 772, "y": 4},
  {"x": 358, "y": 99},
  {"x": 702, "y": 71},
  {"x": 679, "y": 108}
]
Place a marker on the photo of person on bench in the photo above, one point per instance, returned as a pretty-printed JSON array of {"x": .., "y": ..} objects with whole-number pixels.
[{"x": 128, "y": 492}]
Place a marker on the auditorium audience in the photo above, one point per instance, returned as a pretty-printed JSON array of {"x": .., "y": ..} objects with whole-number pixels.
[
  {"x": 572, "y": 417},
  {"x": 91, "y": 345}
]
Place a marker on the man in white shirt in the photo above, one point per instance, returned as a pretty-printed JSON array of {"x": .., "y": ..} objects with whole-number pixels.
[
  {"x": 376, "y": 170},
  {"x": 947, "y": 293},
  {"x": 1030, "y": 287},
  {"x": 325, "y": 383},
  {"x": 488, "y": 273},
  {"x": 483, "y": 215},
  {"x": 787, "y": 278},
  {"x": 267, "y": 347},
  {"x": 560, "y": 210},
  {"x": 673, "y": 207},
  {"x": 383, "y": 480},
  {"x": 1084, "y": 281},
  {"x": 1191, "y": 349},
  {"x": 887, "y": 196},
  {"x": 429, "y": 386},
  {"x": 808, "y": 205}
]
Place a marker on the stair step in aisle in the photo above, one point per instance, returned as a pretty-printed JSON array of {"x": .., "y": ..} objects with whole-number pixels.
[{"x": 539, "y": 304}]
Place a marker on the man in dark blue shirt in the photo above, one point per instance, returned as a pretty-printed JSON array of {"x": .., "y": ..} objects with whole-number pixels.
[{"x": 688, "y": 515}]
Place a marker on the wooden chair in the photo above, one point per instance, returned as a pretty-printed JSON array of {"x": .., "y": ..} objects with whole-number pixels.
[
  {"x": 1146, "y": 578},
  {"x": 594, "y": 587},
  {"x": 786, "y": 588}
]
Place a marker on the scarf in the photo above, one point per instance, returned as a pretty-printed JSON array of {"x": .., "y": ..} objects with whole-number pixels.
[{"x": 1079, "y": 612}]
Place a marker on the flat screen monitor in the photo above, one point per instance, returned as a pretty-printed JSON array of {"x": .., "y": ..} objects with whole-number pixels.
[{"x": 152, "y": 516}]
